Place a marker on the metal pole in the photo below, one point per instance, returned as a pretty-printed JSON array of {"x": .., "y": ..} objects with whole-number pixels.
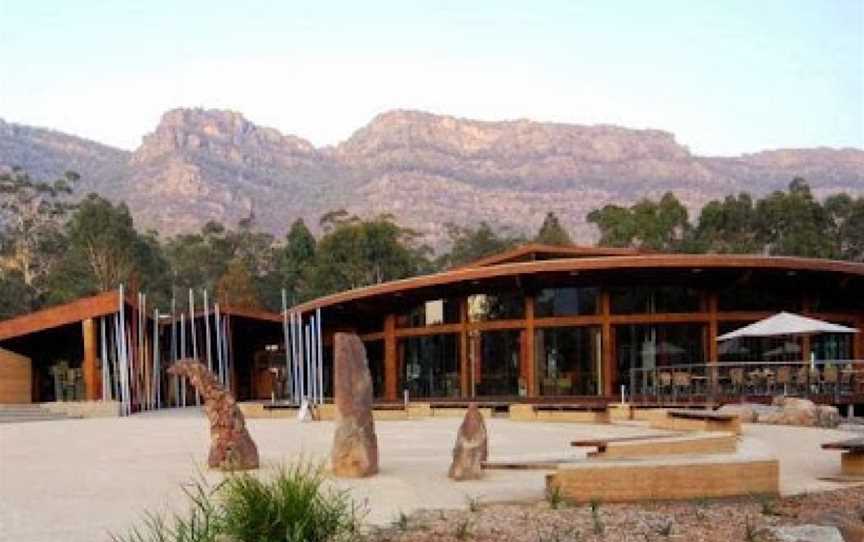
[
  {"x": 301, "y": 356},
  {"x": 295, "y": 355},
  {"x": 122, "y": 352},
  {"x": 157, "y": 362},
  {"x": 310, "y": 346},
  {"x": 285, "y": 339},
  {"x": 183, "y": 356},
  {"x": 320, "y": 357},
  {"x": 207, "y": 332},
  {"x": 193, "y": 337},
  {"x": 217, "y": 325},
  {"x": 309, "y": 388},
  {"x": 174, "y": 380}
]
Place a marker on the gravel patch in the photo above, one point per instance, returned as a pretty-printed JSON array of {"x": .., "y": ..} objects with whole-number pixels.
[{"x": 745, "y": 519}]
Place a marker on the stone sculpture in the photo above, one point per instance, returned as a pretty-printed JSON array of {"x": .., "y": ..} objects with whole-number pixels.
[
  {"x": 355, "y": 446},
  {"x": 231, "y": 446},
  {"x": 471, "y": 448}
]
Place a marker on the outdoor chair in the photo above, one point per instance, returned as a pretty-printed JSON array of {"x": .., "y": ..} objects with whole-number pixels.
[
  {"x": 846, "y": 385},
  {"x": 801, "y": 380},
  {"x": 755, "y": 381},
  {"x": 565, "y": 386},
  {"x": 665, "y": 382},
  {"x": 682, "y": 382},
  {"x": 783, "y": 379},
  {"x": 829, "y": 379},
  {"x": 736, "y": 379}
]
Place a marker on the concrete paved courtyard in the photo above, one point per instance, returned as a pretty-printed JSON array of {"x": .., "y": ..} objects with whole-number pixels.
[{"x": 76, "y": 480}]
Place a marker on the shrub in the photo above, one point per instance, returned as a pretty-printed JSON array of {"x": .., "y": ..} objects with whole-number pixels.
[{"x": 291, "y": 506}]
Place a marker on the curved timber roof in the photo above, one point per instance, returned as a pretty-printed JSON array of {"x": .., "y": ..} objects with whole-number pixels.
[{"x": 484, "y": 269}]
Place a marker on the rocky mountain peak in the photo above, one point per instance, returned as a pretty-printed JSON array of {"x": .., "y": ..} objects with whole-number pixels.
[
  {"x": 220, "y": 133},
  {"x": 406, "y": 130}
]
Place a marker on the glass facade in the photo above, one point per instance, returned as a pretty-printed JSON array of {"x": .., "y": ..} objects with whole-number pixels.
[
  {"x": 757, "y": 348},
  {"x": 430, "y": 365},
  {"x": 375, "y": 357},
  {"x": 495, "y": 361},
  {"x": 832, "y": 346},
  {"x": 749, "y": 298},
  {"x": 566, "y": 302},
  {"x": 648, "y": 300},
  {"x": 568, "y": 360},
  {"x": 501, "y": 306},
  {"x": 430, "y": 313},
  {"x": 653, "y": 346}
]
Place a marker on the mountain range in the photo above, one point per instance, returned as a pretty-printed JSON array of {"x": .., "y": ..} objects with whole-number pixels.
[{"x": 425, "y": 169}]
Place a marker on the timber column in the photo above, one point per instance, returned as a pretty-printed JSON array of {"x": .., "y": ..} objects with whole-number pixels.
[
  {"x": 88, "y": 367},
  {"x": 390, "y": 378},
  {"x": 464, "y": 364},
  {"x": 529, "y": 367},
  {"x": 713, "y": 351},
  {"x": 606, "y": 342}
]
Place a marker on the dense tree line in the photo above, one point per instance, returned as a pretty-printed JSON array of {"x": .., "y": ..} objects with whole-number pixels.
[
  {"x": 52, "y": 250},
  {"x": 784, "y": 223}
]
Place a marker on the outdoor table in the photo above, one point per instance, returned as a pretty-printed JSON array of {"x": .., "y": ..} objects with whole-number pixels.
[{"x": 852, "y": 459}]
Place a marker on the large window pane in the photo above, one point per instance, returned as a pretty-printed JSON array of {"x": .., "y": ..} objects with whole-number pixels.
[
  {"x": 833, "y": 346},
  {"x": 496, "y": 362},
  {"x": 430, "y": 313},
  {"x": 375, "y": 357},
  {"x": 757, "y": 348},
  {"x": 643, "y": 299},
  {"x": 748, "y": 298},
  {"x": 649, "y": 347},
  {"x": 567, "y": 360},
  {"x": 566, "y": 302},
  {"x": 502, "y": 306},
  {"x": 430, "y": 365}
]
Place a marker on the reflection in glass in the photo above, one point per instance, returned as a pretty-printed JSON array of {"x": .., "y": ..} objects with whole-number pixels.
[
  {"x": 501, "y": 306},
  {"x": 762, "y": 298},
  {"x": 495, "y": 362},
  {"x": 568, "y": 360},
  {"x": 833, "y": 346},
  {"x": 430, "y": 365},
  {"x": 566, "y": 302},
  {"x": 649, "y": 347},
  {"x": 648, "y": 300},
  {"x": 757, "y": 348},
  {"x": 375, "y": 357},
  {"x": 430, "y": 313}
]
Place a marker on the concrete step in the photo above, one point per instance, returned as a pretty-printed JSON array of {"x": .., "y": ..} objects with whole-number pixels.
[{"x": 29, "y": 413}]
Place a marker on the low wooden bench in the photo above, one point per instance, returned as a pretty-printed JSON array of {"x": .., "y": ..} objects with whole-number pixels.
[
  {"x": 698, "y": 420},
  {"x": 666, "y": 478},
  {"x": 602, "y": 444},
  {"x": 852, "y": 458}
]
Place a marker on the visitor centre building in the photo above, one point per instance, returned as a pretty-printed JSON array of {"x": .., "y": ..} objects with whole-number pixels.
[{"x": 584, "y": 324}]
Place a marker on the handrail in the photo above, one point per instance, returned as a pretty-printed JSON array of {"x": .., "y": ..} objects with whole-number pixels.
[{"x": 710, "y": 379}]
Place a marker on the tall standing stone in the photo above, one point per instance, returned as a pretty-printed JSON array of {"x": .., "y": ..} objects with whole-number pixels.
[
  {"x": 355, "y": 446},
  {"x": 231, "y": 446},
  {"x": 472, "y": 447}
]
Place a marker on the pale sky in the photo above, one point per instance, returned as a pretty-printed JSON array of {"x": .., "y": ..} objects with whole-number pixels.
[{"x": 725, "y": 76}]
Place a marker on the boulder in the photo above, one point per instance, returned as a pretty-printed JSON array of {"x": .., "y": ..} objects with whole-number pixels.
[
  {"x": 793, "y": 411},
  {"x": 231, "y": 445},
  {"x": 806, "y": 533},
  {"x": 850, "y": 527},
  {"x": 745, "y": 411},
  {"x": 355, "y": 446},
  {"x": 472, "y": 447},
  {"x": 828, "y": 416}
]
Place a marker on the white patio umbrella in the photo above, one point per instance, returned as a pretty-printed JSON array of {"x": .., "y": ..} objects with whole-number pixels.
[{"x": 786, "y": 324}]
